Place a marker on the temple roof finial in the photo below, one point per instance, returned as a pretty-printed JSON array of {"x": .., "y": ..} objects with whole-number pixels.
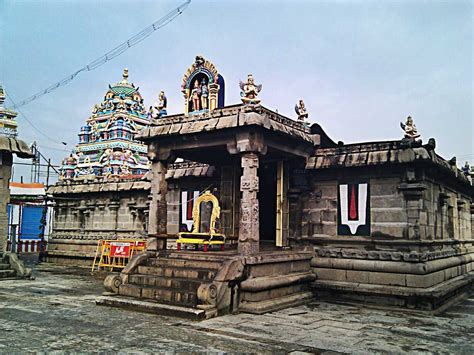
[
  {"x": 125, "y": 76},
  {"x": 2, "y": 95}
]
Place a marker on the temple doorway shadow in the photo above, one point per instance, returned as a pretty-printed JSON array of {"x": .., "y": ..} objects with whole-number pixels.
[{"x": 267, "y": 198}]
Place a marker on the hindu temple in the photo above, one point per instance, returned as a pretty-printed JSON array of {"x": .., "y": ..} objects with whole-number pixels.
[{"x": 246, "y": 210}]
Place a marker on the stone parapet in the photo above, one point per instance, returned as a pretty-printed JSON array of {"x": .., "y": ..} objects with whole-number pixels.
[
  {"x": 228, "y": 117},
  {"x": 176, "y": 171},
  {"x": 388, "y": 153}
]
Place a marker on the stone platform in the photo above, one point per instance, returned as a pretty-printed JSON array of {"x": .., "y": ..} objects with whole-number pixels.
[{"x": 214, "y": 282}]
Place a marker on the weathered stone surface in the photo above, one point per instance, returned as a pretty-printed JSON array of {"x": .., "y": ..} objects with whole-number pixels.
[
  {"x": 249, "y": 207},
  {"x": 317, "y": 327}
]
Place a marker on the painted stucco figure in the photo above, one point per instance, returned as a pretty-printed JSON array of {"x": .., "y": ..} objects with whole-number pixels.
[
  {"x": 202, "y": 87},
  {"x": 195, "y": 96},
  {"x": 410, "y": 129},
  {"x": 158, "y": 109},
  {"x": 300, "y": 109},
  {"x": 250, "y": 91},
  {"x": 204, "y": 94}
]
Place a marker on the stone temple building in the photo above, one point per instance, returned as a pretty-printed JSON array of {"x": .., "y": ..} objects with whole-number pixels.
[{"x": 386, "y": 222}]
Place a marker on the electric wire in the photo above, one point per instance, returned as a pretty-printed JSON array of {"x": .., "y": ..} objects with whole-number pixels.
[{"x": 132, "y": 41}]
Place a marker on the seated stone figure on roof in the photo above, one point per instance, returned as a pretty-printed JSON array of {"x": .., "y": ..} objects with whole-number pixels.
[
  {"x": 158, "y": 109},
  {"x": 250, "y": 91},
  {"x": 300, "y": 109},
  {"x": 410, "y": 129}
]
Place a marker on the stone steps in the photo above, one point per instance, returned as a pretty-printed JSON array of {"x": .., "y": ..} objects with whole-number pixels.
[
  {"x": 173, "y": 278},
  {"x": 179, "y": 272},
  {"x": 6, "y": 273},
  {"x": 184, "y": 284},
  {"x": 195, "y": 263},
  {"x": 160, "y": 294},
  {"x": 4, "y": 266},
  {"x": 152, "y": 307}
]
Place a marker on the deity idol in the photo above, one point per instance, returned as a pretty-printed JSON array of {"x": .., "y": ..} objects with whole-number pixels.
[
  {"x": 410, "y": 129},
  {"x": 466, "y": 169},
  {"x": 204, "y": 94},
  {"x": 250, "y": 91},
  {"x": 159, "y": 108},
  {"x": 195, "y": 96},
  {"x": 300, "y": 109}
]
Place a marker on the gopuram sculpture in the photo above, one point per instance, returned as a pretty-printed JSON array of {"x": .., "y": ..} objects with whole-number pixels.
[
  {"x": 250, "y": 91},
  {"x": 195, "y": 97},
  {"x": 410, "y": 129},
  {"x": 158, "y": 109},
  {"x": 106, "y": 145},
  {"x": 202, "y": 87},
  {"x": 300, "y": 109}
]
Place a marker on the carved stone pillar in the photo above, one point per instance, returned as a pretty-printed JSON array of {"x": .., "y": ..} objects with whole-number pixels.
[
  {"x": 157, "y": 218},
  {"x": 249, "y": 226}
]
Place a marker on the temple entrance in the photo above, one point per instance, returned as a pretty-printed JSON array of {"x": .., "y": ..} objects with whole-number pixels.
[{"x": 267, "y": 198}]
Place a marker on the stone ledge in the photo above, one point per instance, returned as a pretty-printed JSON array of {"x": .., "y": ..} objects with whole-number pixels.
[
  {"x": 431, "y": 298},
  {"x": 70, "y": 254},
  {"x": 419, "y": 268},
  {"x": 262, "y": 307},
  {"x": 277, "y": 257},
  {"x": 456, "y": 248},
  {"x": 152, "y": 307},
  {"x": 256, "y": 284}
]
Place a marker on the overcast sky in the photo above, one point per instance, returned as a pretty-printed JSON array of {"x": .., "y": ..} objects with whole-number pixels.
[{"x": 360, "y": 66}]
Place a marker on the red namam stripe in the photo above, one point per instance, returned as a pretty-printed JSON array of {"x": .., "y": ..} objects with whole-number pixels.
[{"x": 352, "y": 208}]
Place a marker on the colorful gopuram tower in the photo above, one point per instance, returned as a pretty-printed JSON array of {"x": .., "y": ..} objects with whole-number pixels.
[
  {"x": 8, "y": 124},
  {"x": 106, "y": 145}
]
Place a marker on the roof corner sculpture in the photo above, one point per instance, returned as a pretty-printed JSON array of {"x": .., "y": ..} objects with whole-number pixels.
[
  {"x": 202, "y": 87},
  {"x": 300, "y": 109},
  {"x": 410, "y": 129},
  {"x": 158, "y": 109},
  {"x": 250, "y": 91},
  {"x": 106, "y": 143},
  {"x": 8, "y": 125}
]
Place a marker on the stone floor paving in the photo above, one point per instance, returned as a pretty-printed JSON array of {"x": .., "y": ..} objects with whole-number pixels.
[{"x": 56, "y": 312}]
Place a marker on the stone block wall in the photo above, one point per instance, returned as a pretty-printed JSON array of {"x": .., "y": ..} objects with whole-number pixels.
[
  {"x": 388, "y": 208},
  {"x": 87, "y": 212},
  {"x": 419, "y": 252}
]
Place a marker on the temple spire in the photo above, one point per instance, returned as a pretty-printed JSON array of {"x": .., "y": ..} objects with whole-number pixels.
[
  {"x": 2, "y": 95},
  {"x": 125, "y": 76}
]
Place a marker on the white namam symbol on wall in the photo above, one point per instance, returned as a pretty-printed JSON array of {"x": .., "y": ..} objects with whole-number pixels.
[
  {"x": 353, "y": 216},
  {"x": 187, "y": 204}
]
